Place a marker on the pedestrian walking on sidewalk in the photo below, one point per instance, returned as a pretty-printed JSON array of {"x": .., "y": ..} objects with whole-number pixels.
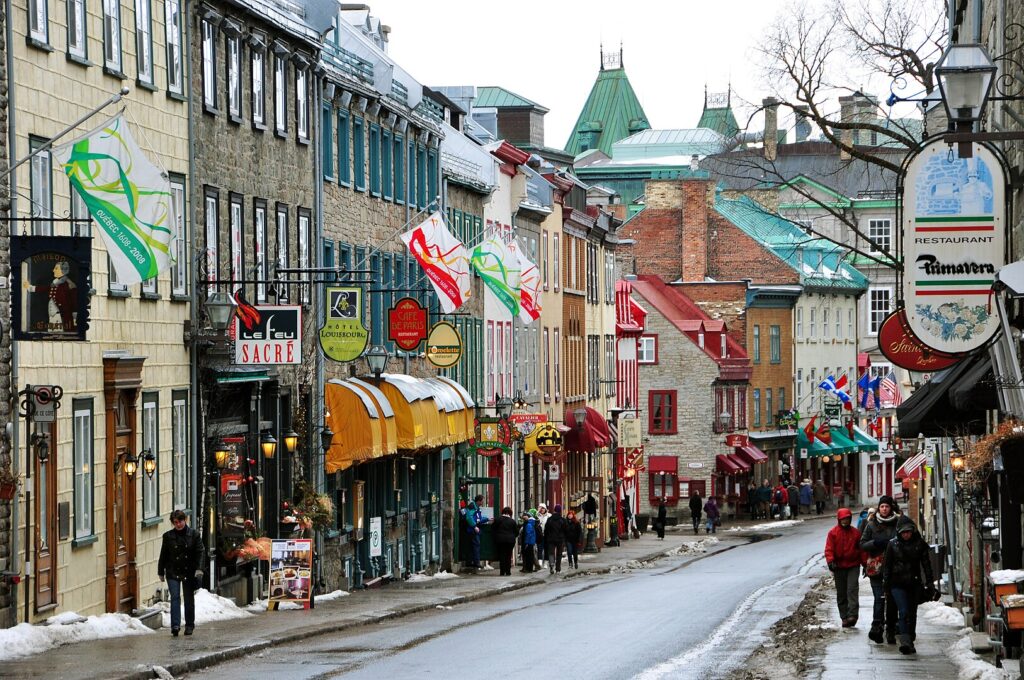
[
  {"x": 752, "y": 499},
  {"x": 764, "y": 499},
  {"x": 181, "y": 564},
  {"x": 542, "y": 519},
  {"x": 780, "y": 501},
  {"x": 505, "y": 530},
  {"x": 573, "y": 540},
  {"x": 906, "y": 557},
  {"x": 528, "y": 541},
  {"x": 474, "y": 521},
  {"x": 554, "y": 540},
  {"x": 820, "y": 495},
  {"x": 793, "y": 495},
  {"x": 659, "y": 523},
  {"x": 844, "y": 559},
  {"x": 696, "y": 508},
  {"x": 879, "y": 529},
  {"x": 714, "y": 517},
  {"x": 806, "y": 496}
]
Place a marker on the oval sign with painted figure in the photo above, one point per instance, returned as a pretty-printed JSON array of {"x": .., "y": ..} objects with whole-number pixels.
[
  {"x": 954, "y": 234},
  {"x": 902, "y": 348}
]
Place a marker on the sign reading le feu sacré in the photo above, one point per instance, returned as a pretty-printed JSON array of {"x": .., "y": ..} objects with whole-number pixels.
[{"x": 269, "y": 334}]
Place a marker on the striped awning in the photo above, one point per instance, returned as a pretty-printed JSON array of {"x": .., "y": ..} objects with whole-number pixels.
[{"x": 913, "y": 467}]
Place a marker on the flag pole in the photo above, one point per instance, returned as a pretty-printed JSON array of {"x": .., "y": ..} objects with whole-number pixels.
[
  {"x": 376, "y": 249},
  {"x": 115, "y": 98}
]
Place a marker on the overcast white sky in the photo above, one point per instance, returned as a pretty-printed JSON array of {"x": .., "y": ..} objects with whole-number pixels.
[{"x": 548, "y": 51}]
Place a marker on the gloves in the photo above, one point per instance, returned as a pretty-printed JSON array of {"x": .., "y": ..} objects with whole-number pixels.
[
  {"x": 161, "y": 578},
  {"x": 199, "y": 574},
  {"x": 831, "y": 566}
]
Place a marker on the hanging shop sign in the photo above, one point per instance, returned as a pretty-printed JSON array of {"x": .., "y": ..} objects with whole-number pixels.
[
  {"x": 900, "y": 346},
  {"x": 444, "y": 345},
  {"x": 232, "y": 504},
  {"x": 493, "y": 437},
  {"x": 343, "y": 337},
  {"x": 524, "y": 423},
  {"x": 954, "y": 224},
  {"x": 52, "y": 277},
  {"x": 630, "y": 433},
  {"x": 545, "y": 442},
  {"x": 788, "y": 419},
  {"x": 291, "y": 570},
  {"x": 736, "y": 440},
  {"x": 407, "y": 324},
  {"x": 272, "y": 334}
]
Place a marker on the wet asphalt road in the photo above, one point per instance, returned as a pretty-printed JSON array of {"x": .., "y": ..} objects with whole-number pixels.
[{"x": 671, "y": 620}]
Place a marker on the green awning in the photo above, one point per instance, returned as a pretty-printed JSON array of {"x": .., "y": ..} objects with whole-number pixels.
[
  {"x": 841, "y": 442},
  {"x": 864, "y": 441},
  {"x": 815, "y": 449}
]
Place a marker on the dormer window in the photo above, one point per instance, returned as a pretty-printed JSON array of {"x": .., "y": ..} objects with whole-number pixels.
[
  {"x": 700, "y": 339},
  {"x": 723, "y": 346}
]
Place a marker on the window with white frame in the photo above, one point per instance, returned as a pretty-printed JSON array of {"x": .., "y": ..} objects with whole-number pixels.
[
  {"x": 38, "y": 21},
  {"x": 303, "y": 246},
  {"x": 112, "y": 35},
  {"x": 179, "y": 269},
  {"x": 491, "y": 340},
  {"x": 557, "y": 349},
  {"x": 814, "y": 322},
  {"x": 280, "y": 95},
  {"x": 880, "y": 233},
  {"x": 825, "y": 321},
  {"x": 555, "y": 259},
  {"x": 839, "y": 323},
  {"x": 172, "y": 28},
  {"x": 849, "y": 324},
  {"x": 799, "y": 387},
  {"x": 114, "y": 283},
  {"x": 880, "y": 301},
  {"x": 151, "y": 445},
  {"x": 302, "y": 102},
  {"x": 611, "y": 377},
  {"x": 609, "y": 278},
  {"x": 547, "y": 365},
  {"x": 41, "y": 189},
  {"x": 209, "y": 49},
  {"x": 647, "y": 349},
  {"x": 800, "y": 323},
  {"x": 234, "y": 58},
  {"x": 179, "y": 451},
  {"x": 282, "y": 249},
  {"x": 259, "y": 96},
  {"x": 77, "y": 32},
  {"x": 544, "y": 259},
  {"x": 83, "y": 462},
  {"x": 212, "y": 236},
  {"x": 144, "y": 41},
  {"x": 236, "y": 229},
  {"x": 81, "y": 220},
  {"x": 259, "y": 224}
]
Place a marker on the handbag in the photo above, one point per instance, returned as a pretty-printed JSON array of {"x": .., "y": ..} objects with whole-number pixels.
[{"x": 873, "y": 567}]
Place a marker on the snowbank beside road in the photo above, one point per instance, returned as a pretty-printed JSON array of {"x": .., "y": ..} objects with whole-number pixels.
[
  {"x": 26, "y": 639},
  {"x": 209, "y": 607},
  {"x": 769, "y": 525},
  {"x": 441, "y": 575},
  {"x": 969, "y": 666},
  {"x": 936, "y": 612}
]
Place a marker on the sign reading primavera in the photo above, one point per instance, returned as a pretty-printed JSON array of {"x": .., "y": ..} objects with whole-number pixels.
[{"x": 953, "y": 245}]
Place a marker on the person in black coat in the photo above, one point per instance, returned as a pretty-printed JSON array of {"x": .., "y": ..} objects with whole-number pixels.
[
  {"x": 879, "y": 529},
  {"x": 554, "y": 540},
  {"x": 573, "y": 540},
  {"x": 696, "y": 509},
  {"x": 181, "y": 564},
  {"x": 906, "y": 557},
  {"x": 505, "y": 531}
]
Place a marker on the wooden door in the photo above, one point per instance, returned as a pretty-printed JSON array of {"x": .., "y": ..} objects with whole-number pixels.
[
  {"x": 122, "y": 581},
  {"x": 44, "y": 489}
]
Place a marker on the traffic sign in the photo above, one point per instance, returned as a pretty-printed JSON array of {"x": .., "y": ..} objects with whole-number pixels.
[
  {"x": 376, "y": 537},
  {"x": 45, "y": 401}
]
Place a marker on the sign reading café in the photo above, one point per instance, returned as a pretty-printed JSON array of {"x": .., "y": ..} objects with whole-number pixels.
[{"x": 954, "y": 225}]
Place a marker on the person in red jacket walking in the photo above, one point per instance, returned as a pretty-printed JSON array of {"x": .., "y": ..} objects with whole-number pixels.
[{"x": 844, "y": 559}]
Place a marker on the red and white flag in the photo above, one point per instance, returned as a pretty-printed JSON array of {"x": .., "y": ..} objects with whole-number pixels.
[
  {"x": 443, "y": 258},
  {"x": 889, "y": 391},
  {"x": 529, "y": 287}
]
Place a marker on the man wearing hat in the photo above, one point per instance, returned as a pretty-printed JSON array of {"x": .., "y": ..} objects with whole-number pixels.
[{"x": 879, "y": 529}]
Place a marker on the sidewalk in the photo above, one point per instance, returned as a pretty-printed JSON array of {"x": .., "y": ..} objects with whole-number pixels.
[{"x": 215, "y": 642}]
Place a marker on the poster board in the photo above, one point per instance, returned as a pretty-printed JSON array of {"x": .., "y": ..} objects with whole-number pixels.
[{"x": 291, "y": 571}]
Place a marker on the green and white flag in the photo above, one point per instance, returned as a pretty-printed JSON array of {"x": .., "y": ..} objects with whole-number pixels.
[
  {"x": 498, "y": 266},
  {"x": 128, "y": 196}
]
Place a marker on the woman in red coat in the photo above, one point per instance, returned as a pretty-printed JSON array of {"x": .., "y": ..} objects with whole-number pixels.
[{"x": 844, "y": 559}]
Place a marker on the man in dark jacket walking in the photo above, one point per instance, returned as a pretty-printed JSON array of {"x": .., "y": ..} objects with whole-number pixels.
[
  {"x": 793, "y": 495},
  {"x": 906, "y": 557},
  {"x": 505, "y": 531},
  {"x": 879, "y": 529},
  {"x": 181, "y": 564},
  {"x": 696, "y": 508},
  {"x": 554, "y": 540},
  {"x": 844, "y": 559}
]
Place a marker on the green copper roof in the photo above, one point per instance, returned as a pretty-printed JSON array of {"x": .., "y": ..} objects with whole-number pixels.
[
  {"x": 612, "y": 112},
  {"x": 721, "y": 121},
  {"x": 501, "y": 98}
]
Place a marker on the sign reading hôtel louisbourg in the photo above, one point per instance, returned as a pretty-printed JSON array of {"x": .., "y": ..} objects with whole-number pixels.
[{"x": 954, "y": 224}]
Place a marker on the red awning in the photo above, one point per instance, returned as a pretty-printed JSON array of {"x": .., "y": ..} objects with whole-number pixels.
[
  {"x": 592, "y": 436},
  {"x": 751, "y": 454},
  {"x": 730, "y": 465},
  {"x": 863, "y": 361},
  {"x": 663, "y": 464},
  {"x": 913, "y": 467}
]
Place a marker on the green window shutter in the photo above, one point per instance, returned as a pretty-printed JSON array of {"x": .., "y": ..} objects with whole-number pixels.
[
  {"x": 344, "y": 151},
  {"x": 399, "y": 156},
  {"x": 387, "y": 179},
  {"x": 327, "y": 142},
  {"x": 374, "y": 160},
  {"x": 358, "y": 154}
]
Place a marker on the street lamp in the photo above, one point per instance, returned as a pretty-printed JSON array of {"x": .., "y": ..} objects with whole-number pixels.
[
  {"x": 956, "y": 459},
  {"x": 291, "y": 440},
  {"x": 221, "y": 456},
  {"x": 268, "y": 444},
  {"x": 149, "y": 463},
  {"x": 503, "y": 407},
  {"x": 219, "y": 307},
  {"x": 131, "y": 465},
  {"x": 377, "y": 359},
  {"x": 724, "y": 419},
  {"x": 326, "y": 437},
  {"x": 965, "y": 73}
]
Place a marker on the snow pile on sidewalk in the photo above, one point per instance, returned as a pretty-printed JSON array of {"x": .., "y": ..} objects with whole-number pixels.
[
  {"x": 260, "y": 606},
  {"x": 969, "y": 666},
  {"x": 700, "y": 546},
  {"x": 26, "y": 639},
  {"x": 209, "y": 607},
  {"x": 439, "y": 576},
  {"x": 334, "y": 595},
  {"x": 769, "y": 525},
  {"x": 1005, "y": 576},
  {"x": 940, "y": 614}
]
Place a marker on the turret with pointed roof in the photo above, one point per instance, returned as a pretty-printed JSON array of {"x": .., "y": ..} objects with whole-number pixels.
[
  {"x": 612, "y": 111},
  {"x": 717, "y": 113}
]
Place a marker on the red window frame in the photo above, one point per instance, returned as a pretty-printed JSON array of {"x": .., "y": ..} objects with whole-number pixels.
[
  {"x": 664, "y": 483},
  {"x": 666, "y": 423}
]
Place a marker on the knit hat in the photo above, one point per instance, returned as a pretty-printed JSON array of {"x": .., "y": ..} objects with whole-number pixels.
[
  {"x": 558, "y": 508},
  {"x": 533, "y": 512},
  {"x": 887, "y": 499}
]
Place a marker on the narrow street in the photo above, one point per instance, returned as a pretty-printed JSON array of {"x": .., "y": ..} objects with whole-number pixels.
[{"x": 697, "y": 620}]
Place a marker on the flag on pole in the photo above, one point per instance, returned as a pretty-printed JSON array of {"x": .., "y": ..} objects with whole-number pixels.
[
  {"x": 868, "y": 390},
  {"x": 809, "y": 430},
  {"x": 498, "y": 266},
  {"x": 824, "y": 433},
  {"x": 835, "y": 388},
  {"x": 444, "y": 260},
  {"x": 889, "y": 391},
  {"x": 530, "y": 286},
  {"x": 127, "y": 195}
]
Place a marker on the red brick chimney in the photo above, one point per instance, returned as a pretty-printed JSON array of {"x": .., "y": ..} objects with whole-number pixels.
[{"x": 697, "y": 193}]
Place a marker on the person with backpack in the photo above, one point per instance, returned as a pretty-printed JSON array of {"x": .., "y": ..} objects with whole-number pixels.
[
  {"x": 714, "y": 518},
  {"x": 879, "y": 529},
  {"x": 554, "y": 539},
  {"x": 528, "y": 542},
  {"x": 844, "y": 559},
  {"x": 474, "y": 520},
  {"x": 505, "y": 530},
  {"x": 905, "y": 558},
  {"x": 696, "y": 507},
  {"x": 573, "y": 540},
  {"x": 780, "y": 501}
]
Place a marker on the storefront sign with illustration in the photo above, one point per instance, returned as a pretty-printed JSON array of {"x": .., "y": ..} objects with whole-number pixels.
[
  {"x": 630, "y": 433},
  {"x": 407, "y": 324},
  {"x": 954, "y": 222},
  {"x": 788, "y": 419},
  {"x": 444, "y": 345},
  {"x": 267, "y": 334},
  {"x": 524, "y": 423},
  {"x": 493, "y": 437},
  {"x": 545, "y": 442},
  {"x": 52, "y": 278},
  {"x": 291, "y": 570},
  {"x": 736, "y": 440},
  {"x": 343, "y": 336},
  {"x": 232, "y": 504},
  {"x": 902, "y": 348}
]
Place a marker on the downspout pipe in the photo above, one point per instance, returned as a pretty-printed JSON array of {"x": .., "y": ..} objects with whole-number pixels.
[{"x": 12, "y": 138}]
